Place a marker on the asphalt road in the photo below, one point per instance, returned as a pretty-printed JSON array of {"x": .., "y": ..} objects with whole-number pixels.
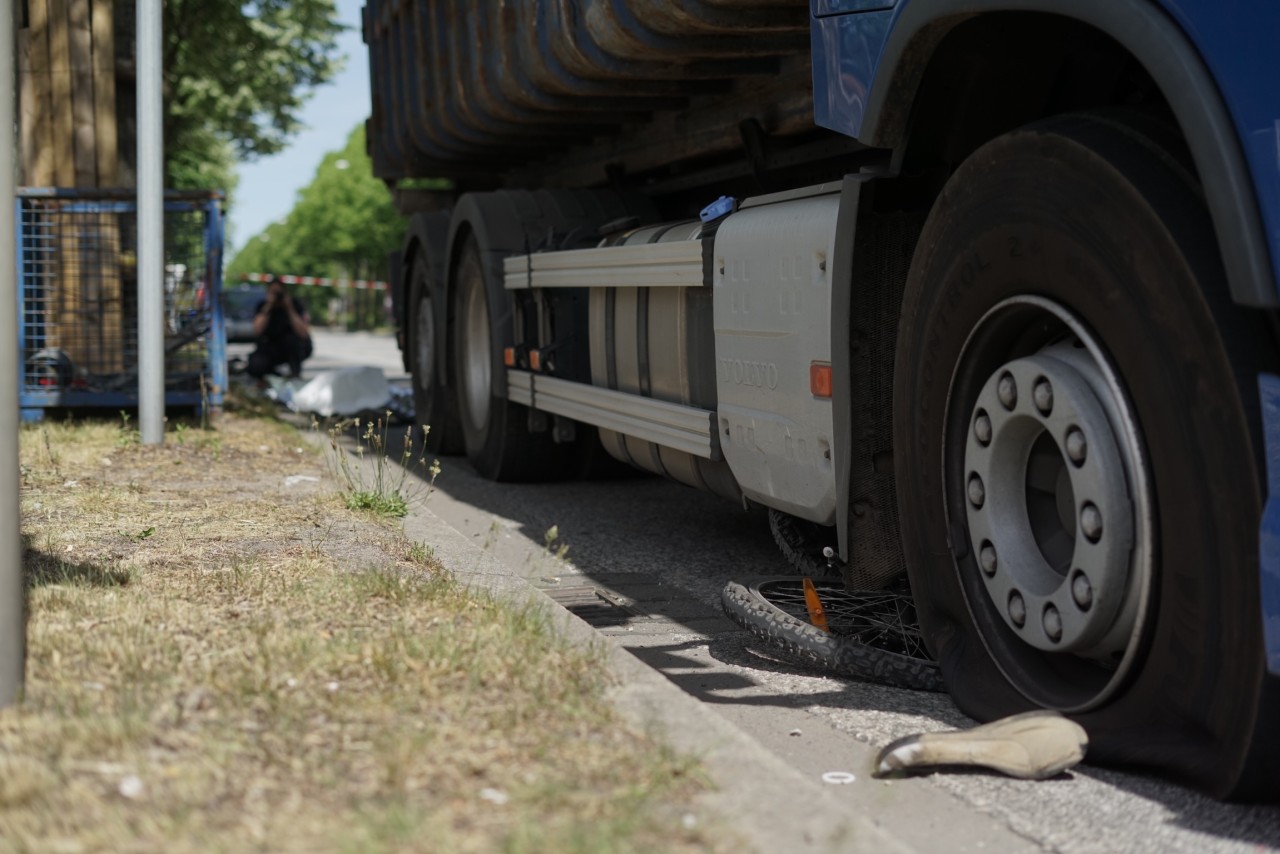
[{"x": 656, "y": 554}]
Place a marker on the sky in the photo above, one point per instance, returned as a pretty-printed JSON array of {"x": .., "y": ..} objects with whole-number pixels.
[{"x": 269, "y": 185}]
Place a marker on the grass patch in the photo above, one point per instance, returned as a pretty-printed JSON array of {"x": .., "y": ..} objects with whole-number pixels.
[
  {"x": 372, "y": 479},
  {"x": 394, "y": 504},
  {"x": 266, "y": 670}
]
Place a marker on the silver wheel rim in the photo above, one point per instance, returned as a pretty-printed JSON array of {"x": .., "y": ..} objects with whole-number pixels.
[
  {"x": 425, "y": 337},
  {"x": 477, "y": 371},
  {"x": 1057, "y": 505}
]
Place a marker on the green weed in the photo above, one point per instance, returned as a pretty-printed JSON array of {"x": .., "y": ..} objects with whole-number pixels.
[
  {"x": 129, "y": 436},
  {"x": 371, "y": 478}
]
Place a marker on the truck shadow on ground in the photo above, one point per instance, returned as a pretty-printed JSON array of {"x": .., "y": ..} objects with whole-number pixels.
[{"x": 692, "y": 543}]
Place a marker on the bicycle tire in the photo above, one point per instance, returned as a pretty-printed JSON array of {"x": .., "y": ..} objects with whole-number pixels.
[
  {"x": 873, "y": 634},
  {"x": 801, "y": 543}
]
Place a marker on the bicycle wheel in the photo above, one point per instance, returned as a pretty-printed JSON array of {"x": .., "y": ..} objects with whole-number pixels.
[
  {"x": 801, "y": 543},
  {"x": 873, "y": 637}
]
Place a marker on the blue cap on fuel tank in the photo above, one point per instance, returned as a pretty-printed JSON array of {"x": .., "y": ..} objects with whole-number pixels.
[{"x": 720, "y": 207}]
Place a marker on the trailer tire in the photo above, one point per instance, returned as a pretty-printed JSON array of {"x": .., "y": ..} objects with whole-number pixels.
[
  {"x": 1077, "y": 254},
  {"x": 770, "y": 610},
  {"x": 496, "y": 431},
  {"x": 484, "y": 230},
  {"x": 435, "y": 410}
]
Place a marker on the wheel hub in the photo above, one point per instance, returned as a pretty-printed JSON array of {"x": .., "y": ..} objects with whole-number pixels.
[
  {"x": 477, "y": 371},
  {"x": 1048, "y": 506},
  {"x": 424, "y": 337}
]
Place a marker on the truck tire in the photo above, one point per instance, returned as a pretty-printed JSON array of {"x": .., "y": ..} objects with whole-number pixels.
[
  {"x": 485, "y": 229},
  {"x": 1079, "y": 465},
  {"x": 435, "y": 409},
  {"x": 496, "y": 431}
]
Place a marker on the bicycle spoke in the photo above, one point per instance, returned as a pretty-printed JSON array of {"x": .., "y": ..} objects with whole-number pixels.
[{"x": 882, "y": 620}]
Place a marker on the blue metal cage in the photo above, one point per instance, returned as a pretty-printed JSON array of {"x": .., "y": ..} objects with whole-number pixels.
[{"x": 78, "y": 306}]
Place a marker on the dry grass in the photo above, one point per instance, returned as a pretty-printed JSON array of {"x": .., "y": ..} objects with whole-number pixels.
[{"x": 221, "y": 662}]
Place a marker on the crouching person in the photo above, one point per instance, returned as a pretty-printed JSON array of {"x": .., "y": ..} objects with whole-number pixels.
[{"x": 282, "y": 328}]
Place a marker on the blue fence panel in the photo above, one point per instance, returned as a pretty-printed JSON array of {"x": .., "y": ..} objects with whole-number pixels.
[{"x": 78, "y": 306}]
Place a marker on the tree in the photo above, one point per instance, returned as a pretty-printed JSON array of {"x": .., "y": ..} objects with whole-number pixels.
[
  {"x": 342, "y": 225},
  {"x": 236, "y": 76},
  {"x": 345, "y": 218},
  {"x": 205, "y": 162}
]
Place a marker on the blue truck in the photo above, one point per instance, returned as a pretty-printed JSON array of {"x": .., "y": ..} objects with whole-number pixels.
[{"x": 983, "y": 291}]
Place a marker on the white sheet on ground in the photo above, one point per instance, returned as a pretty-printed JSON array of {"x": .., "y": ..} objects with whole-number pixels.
[{"x": 345, "y": 391}]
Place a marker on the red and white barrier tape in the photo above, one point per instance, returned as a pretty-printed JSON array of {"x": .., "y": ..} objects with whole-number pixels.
[{"x": 361, "y": 284}]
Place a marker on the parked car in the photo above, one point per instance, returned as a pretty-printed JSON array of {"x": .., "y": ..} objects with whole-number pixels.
[{"x": 238, "y": 305}]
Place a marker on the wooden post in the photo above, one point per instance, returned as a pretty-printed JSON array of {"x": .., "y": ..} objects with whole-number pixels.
[
  {"x": 104, "y": 93},
  {"x": 64, "y": 149},
  {"x": 35, "y": 92},
  {"x": 80, "y": 40}
]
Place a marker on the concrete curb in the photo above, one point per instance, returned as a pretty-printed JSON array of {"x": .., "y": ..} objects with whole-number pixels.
[{"x": 773, "y": 806}]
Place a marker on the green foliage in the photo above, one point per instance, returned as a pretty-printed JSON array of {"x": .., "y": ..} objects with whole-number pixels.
[
  {"x": 236, "y": 76},
  {"x": 140, "y": 536},
  {"x": 204, "y": 161},
  {"x": 129, "y": 436},
  {"x": 371, "y": 479},
  {"x": 343, "y": 224},
  {"x": 378, "y": 504}
]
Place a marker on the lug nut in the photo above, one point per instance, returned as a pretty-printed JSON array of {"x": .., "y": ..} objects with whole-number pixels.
[
  {"x": 1007, "y": 390},
  {"x": 1082, "y": 590},
  {"x": 1052, "y": 623},
  {"x": 987, "y": 559},
  {"x": 1042, "y": 394},
  {"x": 1091, "y": 522},
  {"x": 1017, "y": 609},
  {"x": 977, "y": 492},
  {"x": 1077, "y": 447},
  {"x": 982, "y": 428}
]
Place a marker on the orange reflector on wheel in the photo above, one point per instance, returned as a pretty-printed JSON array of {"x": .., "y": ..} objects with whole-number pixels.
[
  {"x": 535, "y": 360},
  {"x": 820, "y": 379},
  {"x": 509, "y": 357},
  {"x": 813, "y": 604}
]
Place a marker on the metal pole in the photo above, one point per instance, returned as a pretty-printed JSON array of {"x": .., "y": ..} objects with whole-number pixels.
[
  {"x": 13, "y": 623},
  {"x": 150, "y": 225}
]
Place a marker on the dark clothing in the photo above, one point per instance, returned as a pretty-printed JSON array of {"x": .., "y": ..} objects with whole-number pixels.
[{"x": 279, "y": 344}]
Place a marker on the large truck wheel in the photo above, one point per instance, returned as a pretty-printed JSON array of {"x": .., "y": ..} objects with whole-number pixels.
[
  {"x": 1078, "y": 459},
  {"x": 486, "y": 228},
  {"x": 434, "y": 404},
  {"x": 496, "y": 431}
]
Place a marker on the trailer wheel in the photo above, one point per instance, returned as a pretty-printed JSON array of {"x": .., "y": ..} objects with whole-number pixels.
[
  {"x": 1077, "y": 453},
  {"x": 434, "y": 408},
  {"x": 496, "y": 431}
]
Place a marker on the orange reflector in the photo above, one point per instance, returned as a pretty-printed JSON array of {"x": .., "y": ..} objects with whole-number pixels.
[
  {"x": 820, "y": 379},
  {"x": 535, "y": 360},
  {"x": 817, "y": 616},
  {"x": 509, "y": 357}
]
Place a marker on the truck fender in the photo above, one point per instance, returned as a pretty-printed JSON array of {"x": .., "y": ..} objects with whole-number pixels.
[{"x": 1173, "y": 62}]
